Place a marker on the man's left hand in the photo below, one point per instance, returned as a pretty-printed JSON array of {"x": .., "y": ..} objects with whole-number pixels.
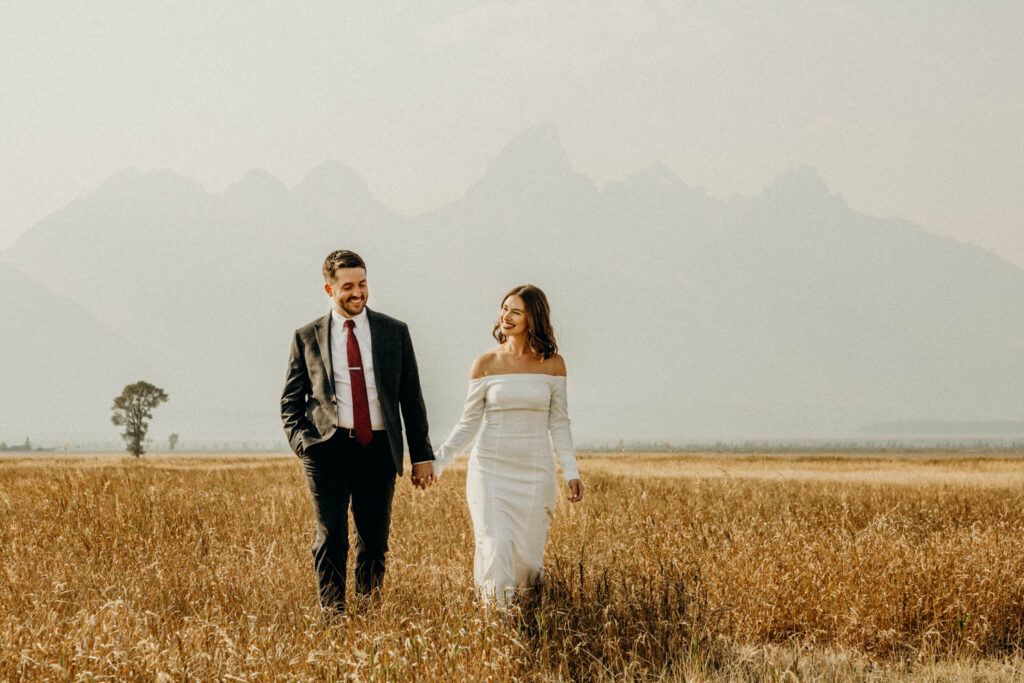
[{"x": 423, "y": 474}]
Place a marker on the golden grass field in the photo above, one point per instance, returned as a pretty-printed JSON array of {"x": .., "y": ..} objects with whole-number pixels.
[{"x": 675, "y": 567}]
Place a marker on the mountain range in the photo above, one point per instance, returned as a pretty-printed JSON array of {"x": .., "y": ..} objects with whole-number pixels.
[{"x": 681, "y": 316}]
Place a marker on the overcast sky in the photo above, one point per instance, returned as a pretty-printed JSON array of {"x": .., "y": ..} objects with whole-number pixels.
[{"x": 912, "y": 109}]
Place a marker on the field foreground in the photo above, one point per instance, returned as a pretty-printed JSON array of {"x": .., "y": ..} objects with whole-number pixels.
[{"x": 696, "y": 567}]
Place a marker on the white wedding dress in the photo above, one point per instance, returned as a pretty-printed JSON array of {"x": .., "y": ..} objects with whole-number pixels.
[{"x": 510, "y": 484}]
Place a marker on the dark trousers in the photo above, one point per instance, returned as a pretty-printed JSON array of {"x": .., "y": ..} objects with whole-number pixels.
[{"x": 340, "y": 471}]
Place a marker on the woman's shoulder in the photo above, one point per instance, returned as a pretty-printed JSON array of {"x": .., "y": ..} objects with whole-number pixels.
[
  {"x": 490, "y": 363},
  {"x": 557, "y": 367},
  {"x": 483, "y": 365}
]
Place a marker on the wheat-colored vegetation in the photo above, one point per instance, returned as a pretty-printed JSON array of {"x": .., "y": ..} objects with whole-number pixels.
[{"x": 674, "y": 567}]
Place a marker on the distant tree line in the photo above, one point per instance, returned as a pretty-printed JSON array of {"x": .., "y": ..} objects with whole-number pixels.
[
  {"x": 801, "y": 445},
  {"x": 19, "y": 448}
]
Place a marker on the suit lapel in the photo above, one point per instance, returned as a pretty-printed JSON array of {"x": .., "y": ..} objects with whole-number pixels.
[
  {"x": 379, "y": 350},
  {"x": 323, "y": 340}
]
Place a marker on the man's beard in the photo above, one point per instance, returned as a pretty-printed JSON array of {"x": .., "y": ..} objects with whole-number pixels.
[{"x": 350, "y": 308}]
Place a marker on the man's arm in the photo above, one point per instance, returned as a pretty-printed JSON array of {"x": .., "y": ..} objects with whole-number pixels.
[
  {"x": 414, "y": 412},
  {"x": 293, "y": 398}
]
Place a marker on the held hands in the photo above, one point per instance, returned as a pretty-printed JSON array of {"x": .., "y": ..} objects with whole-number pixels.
[
  {"x": 423, "y": 477},
  {"x": 575, "y": 491},
  {"x": 423, "y": 474}
]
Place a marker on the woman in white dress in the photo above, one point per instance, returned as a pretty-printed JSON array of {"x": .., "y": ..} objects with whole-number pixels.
[{"x": 517, "y": 393}]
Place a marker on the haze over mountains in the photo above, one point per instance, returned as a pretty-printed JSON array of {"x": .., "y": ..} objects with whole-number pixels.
[{"x": 681, "y": 316}]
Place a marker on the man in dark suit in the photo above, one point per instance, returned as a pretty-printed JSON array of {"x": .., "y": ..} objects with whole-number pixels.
[{"x": 350, "y": 374}]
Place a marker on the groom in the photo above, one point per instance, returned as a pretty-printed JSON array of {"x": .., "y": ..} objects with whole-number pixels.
[{"x": 349, "y": 375}]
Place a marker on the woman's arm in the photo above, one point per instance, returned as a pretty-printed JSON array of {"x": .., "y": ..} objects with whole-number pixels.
[
  {"x": 464, "y": 433},
  {"x": 559, "y": 425}
]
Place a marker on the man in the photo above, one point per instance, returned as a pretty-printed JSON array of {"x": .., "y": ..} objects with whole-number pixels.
[{"x": 349, "y": 375}]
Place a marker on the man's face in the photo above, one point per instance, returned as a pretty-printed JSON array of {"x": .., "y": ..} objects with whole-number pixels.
[{"x": 348, "y": 289}]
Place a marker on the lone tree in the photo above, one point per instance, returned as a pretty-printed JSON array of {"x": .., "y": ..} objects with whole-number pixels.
[
  {"x": 172, "y": 440},
  {"x": 133, "y": 409}
]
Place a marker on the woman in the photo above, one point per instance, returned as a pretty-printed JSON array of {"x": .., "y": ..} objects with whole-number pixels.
[{"x": 517, "y": 391}]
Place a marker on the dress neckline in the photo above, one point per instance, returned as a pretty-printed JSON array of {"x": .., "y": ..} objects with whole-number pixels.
[{"x": 515, "y": 374}]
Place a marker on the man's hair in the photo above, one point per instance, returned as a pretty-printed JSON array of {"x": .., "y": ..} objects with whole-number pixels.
[{"x": 342, "y": 258}]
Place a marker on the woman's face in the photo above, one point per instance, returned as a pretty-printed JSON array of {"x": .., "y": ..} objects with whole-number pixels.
[{"x": 513, "y": 317}]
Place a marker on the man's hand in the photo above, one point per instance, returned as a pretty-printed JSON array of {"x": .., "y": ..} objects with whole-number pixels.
[
  {"x": 423, "y": 474},
  {"x": 575, "y": 490}
]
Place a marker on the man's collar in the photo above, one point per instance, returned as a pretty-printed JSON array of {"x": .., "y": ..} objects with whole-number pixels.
[{"x": 360, "y": 320}]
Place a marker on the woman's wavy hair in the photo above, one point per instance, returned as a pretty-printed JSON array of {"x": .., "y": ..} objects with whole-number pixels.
[{"x": 540, "y": 337}]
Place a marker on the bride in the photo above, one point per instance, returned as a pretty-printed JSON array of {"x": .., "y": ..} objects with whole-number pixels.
[{"x": 517, "y": 392}]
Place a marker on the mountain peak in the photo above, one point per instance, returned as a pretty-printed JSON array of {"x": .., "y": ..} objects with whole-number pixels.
[
  {"x": 803, "y": 182},
  {"x": 657, "y": 175},
  {"x": 338, "y": 191},
  {"x": 531, "y": 174},
  {"x": 256, "y": 183},
  {"x": 127, "y": 175},
  {"x": 332, "y": 182},
  {"x": 537, "y": 149},
  {"x": 333, "y": 176},
  {"x": 131, "y": 180}
]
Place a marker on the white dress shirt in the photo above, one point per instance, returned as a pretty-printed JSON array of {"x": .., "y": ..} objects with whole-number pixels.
[{"x": 342, "y": 380}]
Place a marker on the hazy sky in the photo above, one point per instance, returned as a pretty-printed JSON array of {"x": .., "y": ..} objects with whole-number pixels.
[{"x": 912, "y": 108}]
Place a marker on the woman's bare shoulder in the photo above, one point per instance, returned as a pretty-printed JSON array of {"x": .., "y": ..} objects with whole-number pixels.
[
  {"x": 483, "y": 365},
  {"x": 557, "y": 367}
]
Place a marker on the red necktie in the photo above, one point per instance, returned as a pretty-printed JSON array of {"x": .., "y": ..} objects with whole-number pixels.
[{"x": 360, "y": 403}]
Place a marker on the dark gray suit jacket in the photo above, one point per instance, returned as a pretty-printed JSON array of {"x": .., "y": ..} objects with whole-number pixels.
[{"x": 309, "y": 408}]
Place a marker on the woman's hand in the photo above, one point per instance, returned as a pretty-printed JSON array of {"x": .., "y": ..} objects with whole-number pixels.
[
  {"x": 423, "y": 474},
  {"x": 575, "y": 491}
]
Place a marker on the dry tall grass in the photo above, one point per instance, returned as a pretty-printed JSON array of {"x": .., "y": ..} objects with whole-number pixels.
[{"x": 697, "y": 567}]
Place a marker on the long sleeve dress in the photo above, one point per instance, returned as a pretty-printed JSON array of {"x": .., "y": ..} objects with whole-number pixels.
[{"x": 510, "y": 483}]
